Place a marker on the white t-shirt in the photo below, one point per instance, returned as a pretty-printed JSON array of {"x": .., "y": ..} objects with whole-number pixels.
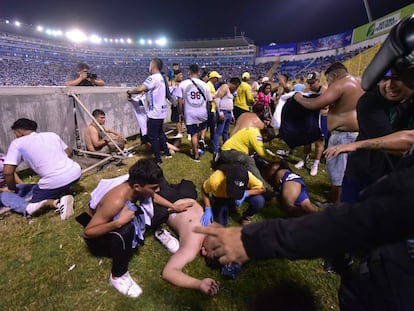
[
  {"x": 2, "y": 181},
  {"x": 195, "y": 109},
  {"x": 156, "y": 96},
  {"x": 45, "y": 154}
]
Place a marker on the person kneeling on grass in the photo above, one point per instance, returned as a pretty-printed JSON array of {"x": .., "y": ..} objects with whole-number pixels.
[
  {"x": 48, "y": 156},
  {"x": 115, "y": 224}
]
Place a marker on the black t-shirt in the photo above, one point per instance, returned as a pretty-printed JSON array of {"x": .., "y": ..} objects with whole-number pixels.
[{"x": 377, "y": 117}]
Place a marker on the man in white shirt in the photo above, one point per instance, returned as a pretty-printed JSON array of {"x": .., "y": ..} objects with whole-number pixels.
[
  {"x": 194, "y": 98},
  {"x": 156, "y": 88},
  {"x": 48, "y": 156}
]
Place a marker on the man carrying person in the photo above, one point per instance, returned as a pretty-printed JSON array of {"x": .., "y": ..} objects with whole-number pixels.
[
  {"x": 342, "y": 95},
  {"x": 48, "y": 156},
  {"x": 315, "y": 87},
  {"x": 156, "y": 88},
  {"x": 193, "y": 99},
  {"x": 97, "y": 140}
]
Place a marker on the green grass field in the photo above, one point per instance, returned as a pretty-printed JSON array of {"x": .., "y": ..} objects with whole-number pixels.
[{"x": 37, "y": 254}]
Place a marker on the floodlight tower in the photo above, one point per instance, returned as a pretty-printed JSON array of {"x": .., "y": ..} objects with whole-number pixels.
[{"x": 368, "y": 10}]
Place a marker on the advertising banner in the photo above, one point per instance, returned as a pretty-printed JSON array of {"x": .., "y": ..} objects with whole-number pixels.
[
  {"x": 326, "y": 43},
  {"x": 381, "y": 25},
  {"x": 277, "y": 50}
]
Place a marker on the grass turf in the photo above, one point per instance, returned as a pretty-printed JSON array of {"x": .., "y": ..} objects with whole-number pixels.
[{"x": 37, "y": 254}]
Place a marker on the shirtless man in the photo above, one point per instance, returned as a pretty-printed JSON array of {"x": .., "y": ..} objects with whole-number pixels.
[
  {"x": 190, "y": 244},
  {"x": 250, "y": 119},
  {"x": 342, "y": 95},
  {"x": 96, "y": 140}
]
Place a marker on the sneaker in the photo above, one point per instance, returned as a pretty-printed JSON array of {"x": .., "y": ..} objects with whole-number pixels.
[
  {"x": 126, "y": 285},
  {"x": 314, "y": 170},
  {"x": 327, "y": 266},
  {"x": 195, "y": 159},
  {"x": 166, "y": 239},
  {"x": 65, "y": 206},
  {"x": 179, "y": 135},
  {"x": 281, "y": 152},
  {"x": 202, "y": 144},
  {"x": 188, "y": 137},
  {"x": 32, "y": 208},
  {"x": 300, "y": 164},
  {"x": 246, "y": 220},
  {"x": 168, "y": 156}
]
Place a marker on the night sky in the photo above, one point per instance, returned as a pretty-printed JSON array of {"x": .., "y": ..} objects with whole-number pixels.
[{"x": 265, "y": 21}]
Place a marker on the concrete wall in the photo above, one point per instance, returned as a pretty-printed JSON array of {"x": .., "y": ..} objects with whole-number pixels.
[{"x": 53, "y": 109}]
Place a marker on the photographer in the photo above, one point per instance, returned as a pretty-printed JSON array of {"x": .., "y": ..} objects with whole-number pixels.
[{"x": 83, "y": 77}]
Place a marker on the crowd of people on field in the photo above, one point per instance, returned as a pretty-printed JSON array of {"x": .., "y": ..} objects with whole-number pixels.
[{"x": 373, "y": 125}]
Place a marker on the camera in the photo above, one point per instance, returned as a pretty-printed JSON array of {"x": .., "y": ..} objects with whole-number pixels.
[{"x": 92, "y": 76}]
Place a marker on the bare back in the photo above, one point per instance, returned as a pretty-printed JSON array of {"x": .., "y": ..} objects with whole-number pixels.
[
  {"x": 342, "y": 112},
  {"x": 247, "y": 119}
]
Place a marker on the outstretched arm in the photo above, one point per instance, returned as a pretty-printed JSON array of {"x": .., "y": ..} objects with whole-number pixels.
[
  {"x": 173, "y": 270},
  {"x": 331, "y": 95},
  {"x": 399, "y": 142}
]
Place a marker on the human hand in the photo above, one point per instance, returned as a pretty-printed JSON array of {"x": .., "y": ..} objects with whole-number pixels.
[
  {"x": 5, "y": 189},
  {"x": 239, "y": 202},
  {"x": 180, "y": 206},
  {"x": 338, "y": 149},
  {"x": 83, "y": 75},
  {"x": 221, "y": 116},
  {"x": 209, "y": 286},
  {"x": 226, "y": 244},
  {"x": 297, "y": 96},
  {"x": 124, "y": 217},
  {"x": 207, "y": 217}
]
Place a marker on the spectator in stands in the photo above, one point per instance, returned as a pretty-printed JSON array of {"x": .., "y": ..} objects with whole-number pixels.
[
  {"x": 244, "y": 98},
  {"x": 250, "y": 119},
  {"x": 230, "y": 186},
  {"x": 97, "y": 136},
  {"x": 82, "y": 77},
  {"x": 264, "y": 98},
  {"x": 315, "y": 87},
  {"x": 342, "y": 95},
  {"x": 241, "y": 146},
  {"x": 299, "y": 86},
  {"x": 156, "y": 88},
  {"x": 48, "y": 156},
  {"x": 194, "y": 98},
  {"x": 175, "y": 115},
  {"x": 224, "y": 111}
]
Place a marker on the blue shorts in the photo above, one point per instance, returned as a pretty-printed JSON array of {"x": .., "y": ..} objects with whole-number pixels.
[
  {"x": 290, "y": 176},
  {"x": 196, "y": 128},
  {"x": 323, "y": 125},
  {"x": 335, "y": 166},
  {"x": 45, "y": 194}
]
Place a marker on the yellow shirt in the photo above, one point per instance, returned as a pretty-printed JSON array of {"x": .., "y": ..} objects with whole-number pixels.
[
  {"x": 249, "y": 140},
  {"x": 216, "y": 184},
  {"x": 244, "y": 96},
  {"x": 213, "y": 95}
]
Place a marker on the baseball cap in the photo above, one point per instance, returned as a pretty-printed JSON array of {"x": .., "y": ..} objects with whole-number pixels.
[
  {"x": 311, "y": 77},
  {"x": 214, "y": 74},
  {"x": 246, "y": 75},
  {"x": 237, "y": 180}
]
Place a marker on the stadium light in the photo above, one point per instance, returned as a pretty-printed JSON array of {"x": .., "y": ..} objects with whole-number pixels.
[
  {"x": 76, "y": 36},
  {"x": 142, "y": 41},
  {"x": 7, "y": 21},
  {"x": 48, "y": 31},
  {"x": 122, "y": 40},
  {"x": 39, "y": 28},
  {"x": 105, "y": 39},
  {"x": 17, "y": 23},
  {"x": 161, "y": 41},
  {"x": 95, "y": 39},
  {"x": 149, "y": 41},
  {"x": 129, "y": 41}
]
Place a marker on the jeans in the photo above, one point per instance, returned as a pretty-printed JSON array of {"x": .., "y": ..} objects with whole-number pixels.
[
  {"x": 157, "y": 138},
  {"x": 211, "y": 123},
  {"x": 18, "y": 201},
  {"x": 221, "y": 207},
  {"x": 222, "y": 129}
]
